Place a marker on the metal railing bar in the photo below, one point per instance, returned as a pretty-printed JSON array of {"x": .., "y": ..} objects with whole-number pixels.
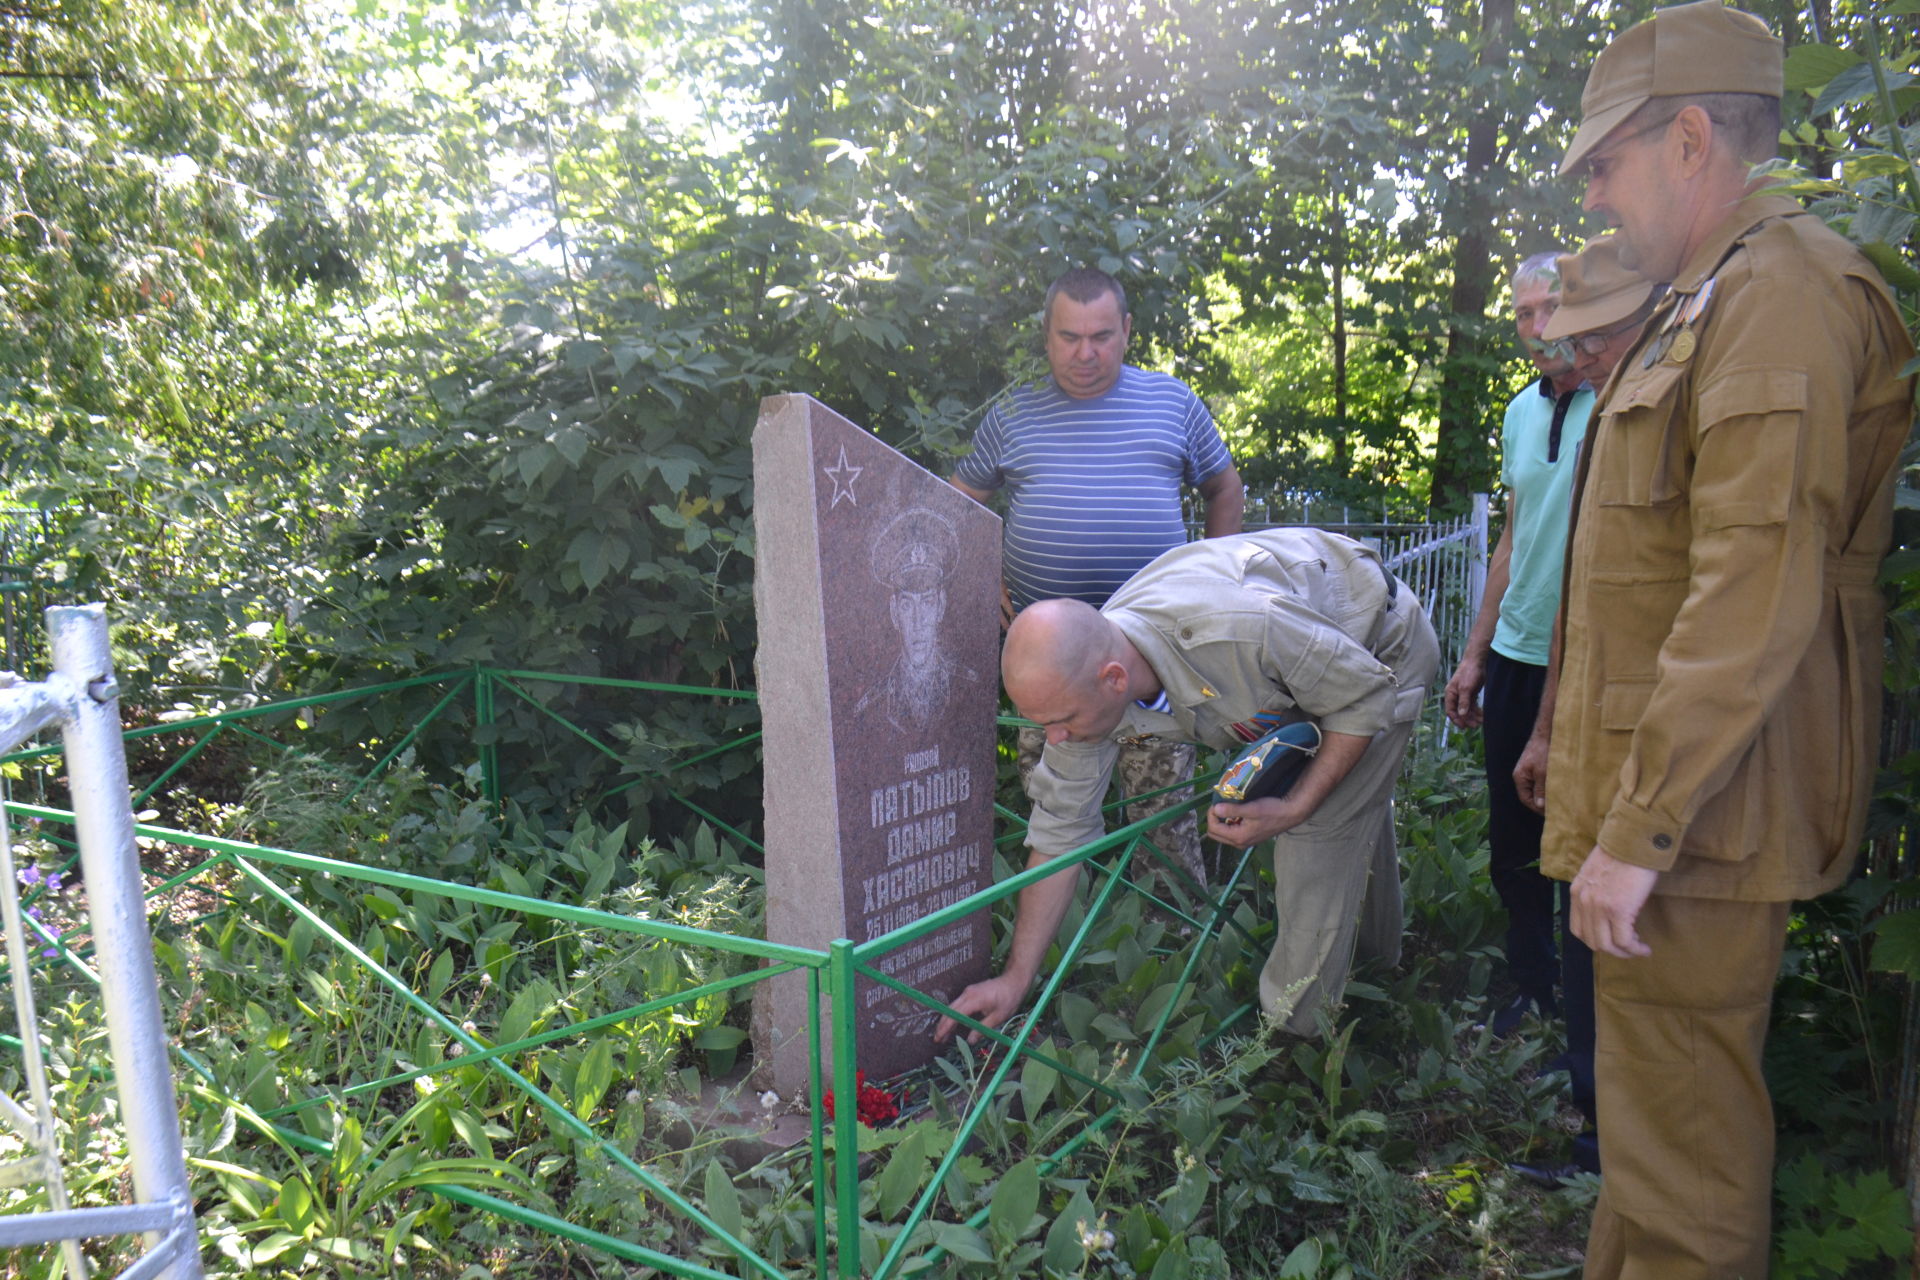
[
  {"x": 841, "y": 990},
  {"x": 246, "y": 713},
  {"x": 19, "y": 1230},
  {"x": 1007, "y": 888},
  {"x": 933, "y": 1002},
  {"x": 725, "y": 826},
  {"x": 565, "y": 1117},
  {"x": 200, "y": 745},
  {"x": 798, "y": 956},
  {"x": 536, "y": 1041},
  {"x": 615, "y": 682},
  {"x": 1015, "y": 1051},
  {"x": 1202, "y": 943},
  {"x": 816, "y": 1124},
  {"x": 611, "y": 1245},
  {"x": 559, "y": 719},
  {"x": 406, "y": 739}
]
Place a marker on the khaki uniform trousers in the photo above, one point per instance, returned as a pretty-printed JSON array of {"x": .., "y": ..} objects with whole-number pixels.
[
  {"x": 1337, "y": 875},
  {"x": 1337, "y": 889},
  {"x": 1685, "y": 1118}
]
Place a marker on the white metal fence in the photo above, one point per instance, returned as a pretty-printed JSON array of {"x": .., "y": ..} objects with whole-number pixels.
[{"x": 1444, "y": 561}]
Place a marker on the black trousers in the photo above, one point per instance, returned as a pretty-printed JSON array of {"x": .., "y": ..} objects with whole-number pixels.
[{"x": 1511, "y": 701}]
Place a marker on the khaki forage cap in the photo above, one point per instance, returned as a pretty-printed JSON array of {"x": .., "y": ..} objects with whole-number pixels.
[
  {"x": 1689, "y": 48},
  {"x": 1596, "y": 292}
]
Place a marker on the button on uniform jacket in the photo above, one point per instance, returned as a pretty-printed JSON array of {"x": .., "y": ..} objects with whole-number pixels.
[{"x": 1719, "y": 697}]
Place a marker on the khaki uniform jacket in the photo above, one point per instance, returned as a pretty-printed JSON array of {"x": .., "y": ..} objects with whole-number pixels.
[
  {"x": 1278, "y": 620},
  {"x": 1718, "y": 713}
]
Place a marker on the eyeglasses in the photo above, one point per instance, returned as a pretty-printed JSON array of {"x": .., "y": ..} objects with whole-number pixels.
[
  {"x": 1594, "y": 342},
  {"x": 1597, "y": 166}
]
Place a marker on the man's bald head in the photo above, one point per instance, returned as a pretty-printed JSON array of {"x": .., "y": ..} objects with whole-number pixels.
[
  {"x": 1055, "y": 645},
  {"x": 1066, "y": 668}
]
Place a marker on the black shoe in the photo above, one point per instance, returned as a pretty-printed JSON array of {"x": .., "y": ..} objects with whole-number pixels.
[
  {"x": 1507, "y": 1019},
  {"x": 1550, "y": 1176}
]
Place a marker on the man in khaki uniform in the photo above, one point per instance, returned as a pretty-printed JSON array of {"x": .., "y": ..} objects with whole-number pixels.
[
  {"x": 1714, "y": 733},
  {"x": 1211, "y": 643}
]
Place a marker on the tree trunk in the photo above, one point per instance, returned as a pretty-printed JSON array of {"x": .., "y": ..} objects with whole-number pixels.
[
  {"x": 1340, "y": 337},
  {"x": 1464, "y": 456}
]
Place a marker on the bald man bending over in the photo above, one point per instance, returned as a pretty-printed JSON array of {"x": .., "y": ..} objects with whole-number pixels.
[{"x": 1216, "y": 642}]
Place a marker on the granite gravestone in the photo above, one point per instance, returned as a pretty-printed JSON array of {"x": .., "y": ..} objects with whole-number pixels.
[{"x": 877, "y": 590}]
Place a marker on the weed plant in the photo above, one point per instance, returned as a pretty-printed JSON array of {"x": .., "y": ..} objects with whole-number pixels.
[{"x": 320, "y": 1106}]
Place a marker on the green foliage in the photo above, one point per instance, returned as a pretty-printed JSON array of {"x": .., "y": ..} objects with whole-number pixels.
[
  {"x": 1836, "y": 1224},
  {"x": 200, "y": 209}
]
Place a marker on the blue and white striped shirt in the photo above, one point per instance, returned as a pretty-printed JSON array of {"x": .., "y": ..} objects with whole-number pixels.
[{"x": 1093, "y": 486}]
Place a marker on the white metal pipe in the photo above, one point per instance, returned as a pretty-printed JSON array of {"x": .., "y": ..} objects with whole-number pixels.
[
  {"x": 20, "y": 1230},
  {"x": 116, "y": 905}
]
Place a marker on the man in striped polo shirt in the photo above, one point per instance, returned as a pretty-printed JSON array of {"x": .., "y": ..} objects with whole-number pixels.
[{"x": 1093, "y": 459}]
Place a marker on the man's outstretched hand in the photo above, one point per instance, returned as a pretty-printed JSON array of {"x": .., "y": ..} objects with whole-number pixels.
[{"x": 991, "y": 1001}]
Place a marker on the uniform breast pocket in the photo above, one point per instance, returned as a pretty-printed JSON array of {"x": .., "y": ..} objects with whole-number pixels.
[{"x": 1640, "y": 458}]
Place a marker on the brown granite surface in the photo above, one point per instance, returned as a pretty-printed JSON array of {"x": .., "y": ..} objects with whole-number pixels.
[{"x": 877, "y": 588}]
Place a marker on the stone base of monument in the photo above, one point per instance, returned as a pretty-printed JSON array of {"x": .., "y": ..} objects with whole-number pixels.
[{"x": 728, "y": 1109}]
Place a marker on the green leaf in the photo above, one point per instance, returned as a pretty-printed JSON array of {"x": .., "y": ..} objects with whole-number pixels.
[
  {"x": 1064, "y": 1252},
  {"x": 903, "y": 1175},
  {"x": 1037, "y": 1080},
  {"x": 962, "y": 1242},
  {"x": 1187, "y": 1198},
  {"x": 723, "y": 1201},
  {"x": 347, "y": 1147},
  {"x": 529, "y": 1005},
  {"x": 1810, "y": 66},
  {"x": 594, "y": 1076},
  {"x": 1853, "y": 85},
  {"x": 440, "y": 975},
  {"x": 1172, "y": 1264},
  {"x": 1898, "y": 271},
  {"x": 719, "y": 1038},
  {"x": 1304, "y": 1262},
  {"x": 1896, "y": 944},
  {"x": 572, "y": 442},
  {"x": 273, "y": 1246},
  {"x": 473, "y": 1131},
  {"x": 294, "y": 1204},
  {"x": 1076, "y": 1014},
  {"x": 1152, "y": 1007},
  {"x": 1013, "y": 1203}
]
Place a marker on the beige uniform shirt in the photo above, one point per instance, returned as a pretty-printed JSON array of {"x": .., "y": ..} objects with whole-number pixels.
[
  {"x": 1720, "y": 691},
  {"x": 1279, "y": 620}
]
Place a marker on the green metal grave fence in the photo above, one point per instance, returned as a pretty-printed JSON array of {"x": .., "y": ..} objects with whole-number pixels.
[{"x": 835, "y": 1179}]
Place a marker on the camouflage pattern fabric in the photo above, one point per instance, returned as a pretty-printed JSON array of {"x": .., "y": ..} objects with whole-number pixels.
[{"x": 1146, "y": 764}]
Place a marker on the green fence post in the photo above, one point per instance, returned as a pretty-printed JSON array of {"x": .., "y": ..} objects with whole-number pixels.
[
  {"x": 846, "y": 1108},
  {"x": 483, "y": 712}
]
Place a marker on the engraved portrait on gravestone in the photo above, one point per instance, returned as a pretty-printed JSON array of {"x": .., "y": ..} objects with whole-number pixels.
[{"x": 912, "y": 556}]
